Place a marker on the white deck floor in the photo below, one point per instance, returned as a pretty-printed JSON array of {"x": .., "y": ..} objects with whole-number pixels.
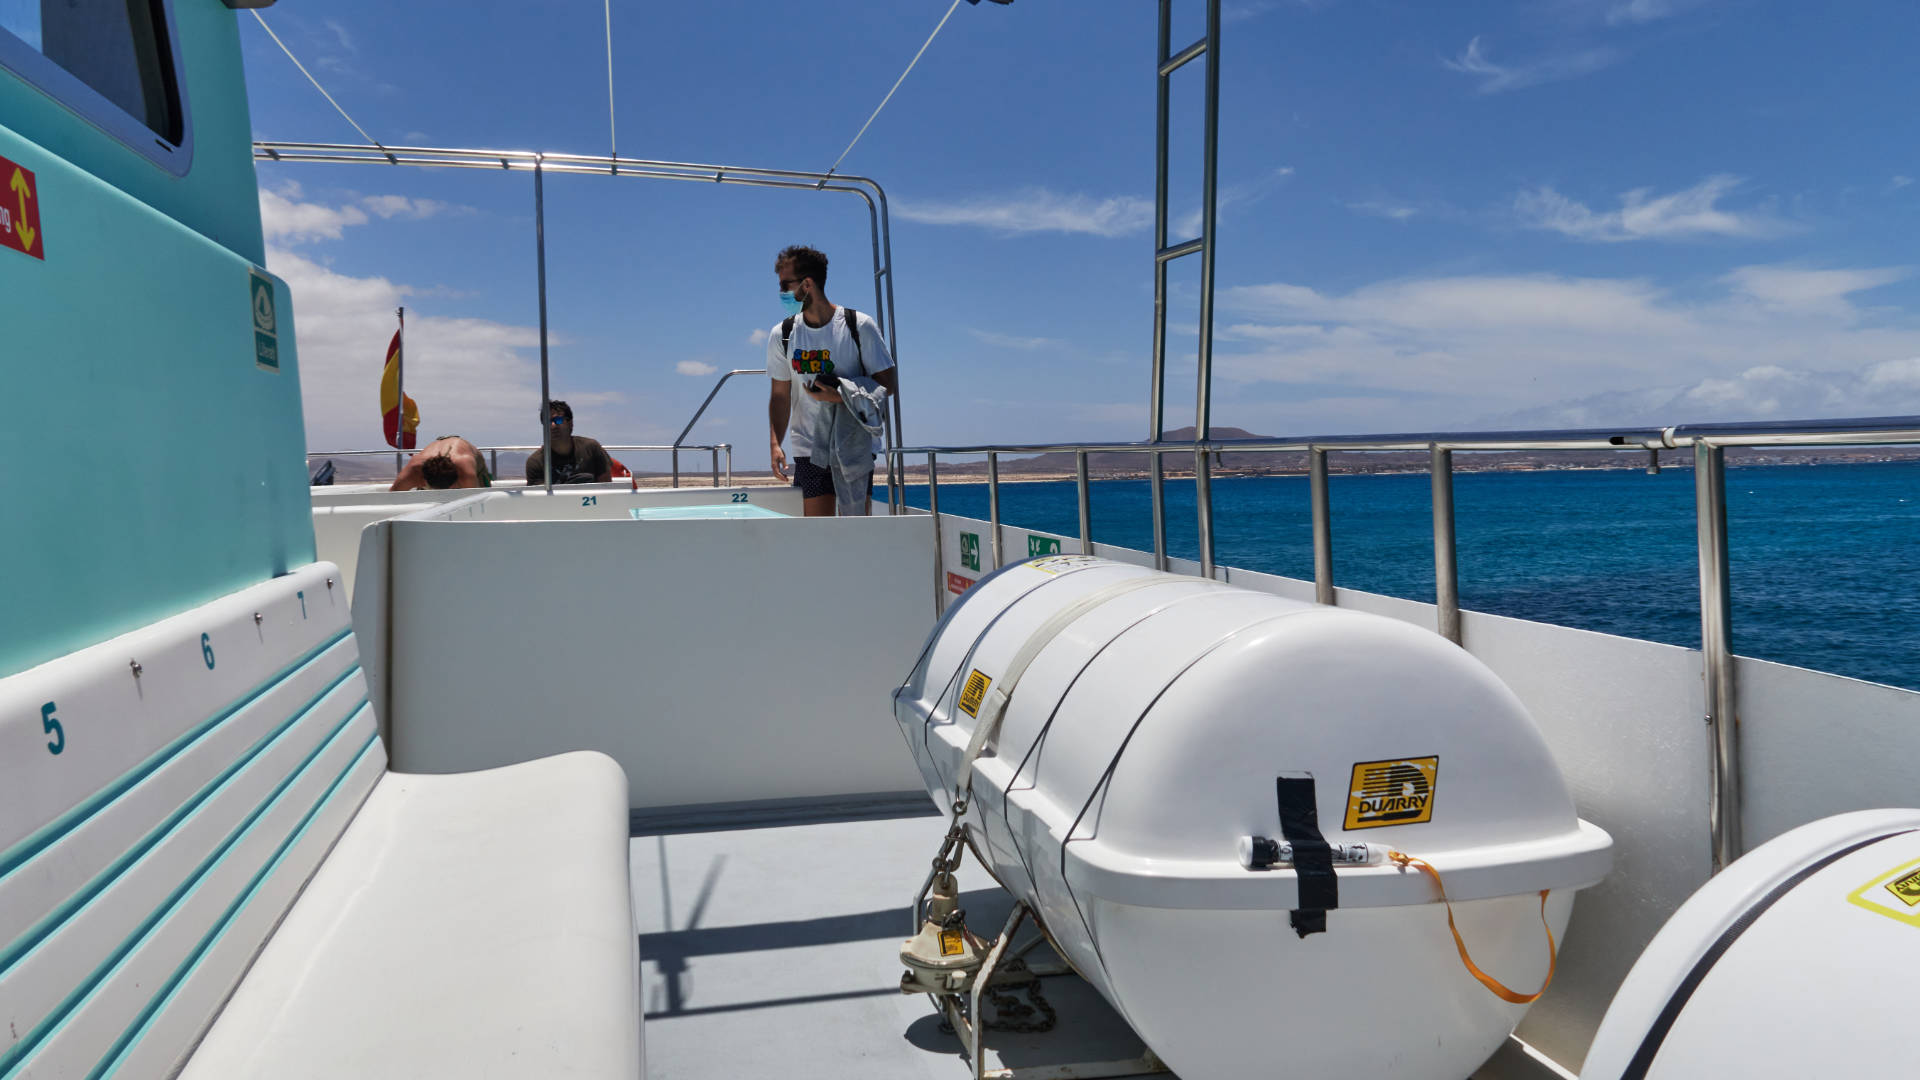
[{"x": 773, "y": 952}]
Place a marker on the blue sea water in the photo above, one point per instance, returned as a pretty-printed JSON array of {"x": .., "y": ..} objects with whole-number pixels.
[{"x": 1822, "y": 556}]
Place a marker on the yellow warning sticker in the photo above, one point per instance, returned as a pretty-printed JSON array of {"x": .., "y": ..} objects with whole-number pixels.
[
  {"x": 951, "y": 943},
  {"x": 1906, "y": 888},
  {"x": 974, "y": 692},
  {"x": 1894, "y": 894},
  {"x": 1395, "y": 792}
]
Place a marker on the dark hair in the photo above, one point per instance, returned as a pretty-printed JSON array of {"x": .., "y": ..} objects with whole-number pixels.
[
  {"x": 439, "y": 471},
  {"x": 558, "y": 406},
  {"x": 807, "y": 263}
]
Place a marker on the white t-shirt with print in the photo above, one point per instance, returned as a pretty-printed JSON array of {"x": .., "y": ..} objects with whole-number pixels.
[{"x": 812, "y": 350}]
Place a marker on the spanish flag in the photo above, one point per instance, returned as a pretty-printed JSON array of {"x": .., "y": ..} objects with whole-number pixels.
[{"x": 400, "y": 428}]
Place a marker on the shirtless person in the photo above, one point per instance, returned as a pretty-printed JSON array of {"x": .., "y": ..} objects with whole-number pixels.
[{"x": 447, "y": 462}]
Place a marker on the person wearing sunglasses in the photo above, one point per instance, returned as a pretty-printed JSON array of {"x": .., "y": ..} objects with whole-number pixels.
[{"x": 576, "y": 458}]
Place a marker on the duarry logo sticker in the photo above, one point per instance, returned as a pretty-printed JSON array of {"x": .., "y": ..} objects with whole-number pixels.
[
  {"x": 974, "y": 692},
  {"x": 1395, "y": 792},
  {"x": 1895, "y": 894}
]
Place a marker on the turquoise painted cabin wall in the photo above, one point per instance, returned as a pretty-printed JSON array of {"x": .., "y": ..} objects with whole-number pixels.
[
  {"x": 151, "y": 465},
  {"x": 218, "y": 197}
]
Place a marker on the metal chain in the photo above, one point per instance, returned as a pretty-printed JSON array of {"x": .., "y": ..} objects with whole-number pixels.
[{"x": 1012, "y": 1014}]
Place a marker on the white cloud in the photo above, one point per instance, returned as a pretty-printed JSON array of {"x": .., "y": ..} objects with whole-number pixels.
[
  {"x": 1691, "y": 212},
  {"x": 1499, "y": 78},
  {"x": 1396, "y": 211},
  {"x": 477, "y": 377},
  {"x": 1800, "y": 289},
  {"x": 399, "y": 206},
  {"x": 1008, "y": 341},
  {"x": 289, "y": 221},
  {"x": 758, "y": 337},
  {"x": 340, "y": 32},
  {"x": 1628, "y": 12},
  {"x": 694, "y": 367},
  {"x": 1762, "y": 392},
  {"x": 1233, "y": 196},
  {"x": 1038, "y": 210},
  {"x": 1479, "y": 351},
  {"x": 1898, "y": 182}
]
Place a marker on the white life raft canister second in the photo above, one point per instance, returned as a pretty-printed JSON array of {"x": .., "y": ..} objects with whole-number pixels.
[{"x": 1200, "y": 790}]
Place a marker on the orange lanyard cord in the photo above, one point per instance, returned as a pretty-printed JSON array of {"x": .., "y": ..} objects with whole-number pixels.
[{"x": 1498, "y": 988}]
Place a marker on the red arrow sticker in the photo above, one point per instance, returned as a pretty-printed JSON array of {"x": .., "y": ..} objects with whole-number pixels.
[{"x": 20, "y": 211}]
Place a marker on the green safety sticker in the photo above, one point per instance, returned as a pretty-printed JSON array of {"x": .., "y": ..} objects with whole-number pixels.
[
  {"x": 970, "y": 550},
  {"x": 266, "y": 325},
  {"x": 1041, "y": 545}
]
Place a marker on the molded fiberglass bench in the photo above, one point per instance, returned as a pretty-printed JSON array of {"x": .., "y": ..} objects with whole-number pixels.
[{"x": 206, "y": 869}]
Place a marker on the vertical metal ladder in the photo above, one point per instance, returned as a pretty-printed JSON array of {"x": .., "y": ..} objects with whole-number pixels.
[{"x": 1164, "y": 253}]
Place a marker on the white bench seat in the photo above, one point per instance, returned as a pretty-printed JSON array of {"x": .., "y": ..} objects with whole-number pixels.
[
  {"x": 444, "y": 891},
  {"x": 206, "y": 866}
]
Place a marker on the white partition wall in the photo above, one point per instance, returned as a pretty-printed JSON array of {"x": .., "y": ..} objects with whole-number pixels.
[
  {"x": 339, "y": 516},
  {"x": 719, "y": 661},
  {"x": 1813, "y": 745}
]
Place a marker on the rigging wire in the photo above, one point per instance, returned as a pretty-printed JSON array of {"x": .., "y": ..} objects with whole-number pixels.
[
  {"x": 889, "y": 97},
  {"x": 316, "y": 82},
  {"x": 613, "y": 141}
]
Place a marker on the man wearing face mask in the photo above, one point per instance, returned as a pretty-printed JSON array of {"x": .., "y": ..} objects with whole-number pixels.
[{"x": 838, "y": 361}]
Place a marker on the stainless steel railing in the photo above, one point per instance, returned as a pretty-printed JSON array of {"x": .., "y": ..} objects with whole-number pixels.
[
  {"x": 540, "y": 163},
  {"x": 493, "y": 455},
  {"x": 1708, "y": 442},
  {"x": 680, "y": 439}
]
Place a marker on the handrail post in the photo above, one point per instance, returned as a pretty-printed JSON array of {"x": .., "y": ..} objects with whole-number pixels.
[
  {"x": 1157, "y": 481},
  {"x": 1446, "y": 576},
  {"x": 715, "y": 451},
  {"x": 1086, "y": 502},
  {"x": 993, "y": 504},
  {"x": 1322, "y": 525},
  {"x": 1716, "y": 651},
  {"x": 1209, "y": 217},
  {"x": 494, "y": 468},
  {"x": 1203, "y": 504},
  {"x": 939, "y": 537},
  {"x": 540, "y": 259},
  {"x": 676, "y": 466},
  {"x": 729, "y": 447},
  {"x": 1157, "y": 390}
]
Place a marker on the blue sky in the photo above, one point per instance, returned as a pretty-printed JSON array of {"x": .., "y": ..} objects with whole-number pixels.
[{"x": 1527, "y": 212}]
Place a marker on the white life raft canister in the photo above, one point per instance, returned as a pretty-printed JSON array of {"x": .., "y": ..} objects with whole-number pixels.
[
  {"x": 1795, "y": 961},
  {"x": 1201, "y": 791}
]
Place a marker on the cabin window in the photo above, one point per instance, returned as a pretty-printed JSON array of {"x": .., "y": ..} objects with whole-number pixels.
[{"x": 109, "y": 60}]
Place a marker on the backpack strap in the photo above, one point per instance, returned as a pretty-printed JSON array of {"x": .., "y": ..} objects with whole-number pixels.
[
  {"x": 786, "y": 334},
  {"x": 853, "y": 331}
]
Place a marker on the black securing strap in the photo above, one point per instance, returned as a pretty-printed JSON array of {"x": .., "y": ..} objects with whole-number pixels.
[{"x": 1312, "y": 858}]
